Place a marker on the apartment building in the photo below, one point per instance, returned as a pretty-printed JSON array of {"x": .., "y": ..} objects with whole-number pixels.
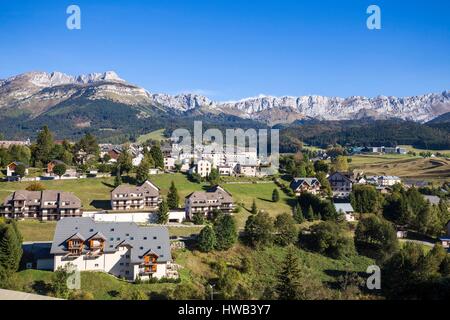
[
  {"x": 205, "y": 202},
  {"x": 122, "y": 249},
  {"x": 42, "y": 205},
  {"x": 144, "y": 197},
  {"x": 203, "y": 168}
]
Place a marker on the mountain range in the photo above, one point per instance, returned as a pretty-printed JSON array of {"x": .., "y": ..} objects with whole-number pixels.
[
  {"x": 105, "y": 102},
  {"x": 35, "y": 93}
]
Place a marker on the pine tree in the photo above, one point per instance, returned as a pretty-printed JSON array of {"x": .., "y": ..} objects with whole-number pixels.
[
  {"x": 10, "y": 249},
  {"x": 309, "y": 215},
  {"x": 289, "y": 285},
  {"x": 259, "y": 230},
  {"x": 118, "y": 178},
  {"x": 163, "y": 212},
  {"x": 44, "y": 146},
  {"x": 157, "y": 156},
  {"x": 298, "y": 214},
  {"x": 226, "y": 232},
  {"x": 142, "y": 172},
  {"x": 275, "y": 195},
  {"x": 286, "y": 231},
  {"x": 125, "y": 161},
  {"x": 254, "y": 209},
  {"x": 214, "y": 177},
  {"x": 207, "y": 239},
  {"x": 173, "y": 199}
]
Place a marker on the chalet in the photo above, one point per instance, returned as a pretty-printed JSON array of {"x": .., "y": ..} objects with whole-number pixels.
[
  {"x": 43, "y": 205},
  {"x": 122, "y": 249},
  {"x": 11, "y": 170},
  {"x": 445, "y": 242},
  {"x": 341, "y": 184},
  {"x": 114, "y": 154},
  {"x": 300, "y": 185},
  {"x": 346, "y": 209},
  {"x": 144, "y": 197},
  {"x": 52, "y": 164},
  {"x": 205, "y": 202}
]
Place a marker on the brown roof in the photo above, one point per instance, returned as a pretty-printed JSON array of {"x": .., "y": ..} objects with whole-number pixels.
[
  {"x": 215, "y": 193},
  {"x": 146, "y": 189},
  {"x": 39, "y": 197}
]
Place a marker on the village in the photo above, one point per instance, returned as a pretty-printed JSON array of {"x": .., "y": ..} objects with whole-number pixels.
[{"x": 154, "y": 200}]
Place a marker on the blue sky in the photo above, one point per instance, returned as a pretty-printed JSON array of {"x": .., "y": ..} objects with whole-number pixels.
[{"x": 229, "y": 49}]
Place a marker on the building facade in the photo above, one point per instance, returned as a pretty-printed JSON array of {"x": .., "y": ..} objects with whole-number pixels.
[
  {"x": 341, "y": 184},
  {"x": 144, "y": 197},
  {"x": 205, "y": 202},
  {"x": 122, "y": 249},
  {"x": 42, "y": 205}
]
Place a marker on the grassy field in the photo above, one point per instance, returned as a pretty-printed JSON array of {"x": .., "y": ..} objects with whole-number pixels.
[
  {"x": 411, "y": 148},
  {"x": 198, "y": 269},
  {"x": 157, "y": 135},
  {"x": 366, "y": 159},
  {"x": 33, "y": 230},
  {"x": 95, "y": 193},
  {"x": 404, "y": 166},
  {"x": 102, "y": 285}
]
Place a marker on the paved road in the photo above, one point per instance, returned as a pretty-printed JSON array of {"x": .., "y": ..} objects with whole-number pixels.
[{"x": 17, "y": 295}]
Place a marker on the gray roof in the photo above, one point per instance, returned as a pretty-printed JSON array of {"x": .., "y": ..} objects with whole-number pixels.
[
  {"x": 433, "y": 199},
  {"x": 141, "y": 239},
  {"x": 297, "y": 182},
  {"x": 146, "y": 189},
  {"x": 215, "y": 193},
  {"x": 37, "y": 198},
  {"x": 345, "y": 207}
]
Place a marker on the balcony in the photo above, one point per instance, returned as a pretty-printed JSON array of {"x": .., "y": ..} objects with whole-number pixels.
[{"x": 147, "y": 270}]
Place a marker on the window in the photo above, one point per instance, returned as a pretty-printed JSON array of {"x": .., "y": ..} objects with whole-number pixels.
[
  {"x": 96, "y": 264},
  {"x": 121, "y": 263},
  {"x": 117, "y": 238},
  {"x": 159, "y": 247},
  {"x": 131, "y": 238},
  {"x": 142, "y": 248},
  {"x": 112, "y": 230},
  {"x": 111, "y": 239},
  {"x": 145, "y": 238},
  {"x": 91, "y": 230},
  {"x": 154, "y": 238}
]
